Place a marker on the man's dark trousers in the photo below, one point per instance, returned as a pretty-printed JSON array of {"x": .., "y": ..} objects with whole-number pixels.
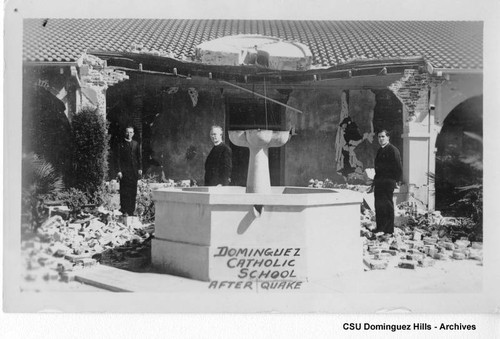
[
  {"x": 129, "y": 162},
  {"x": 128, "y": 192},
  {"x": 384, "y": 205}
]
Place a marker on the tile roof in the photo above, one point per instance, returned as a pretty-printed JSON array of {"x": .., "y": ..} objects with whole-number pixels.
[{"x": 445, "y": 44}]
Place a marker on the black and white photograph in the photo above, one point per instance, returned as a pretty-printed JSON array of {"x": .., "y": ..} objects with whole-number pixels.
[{"x": 219, "y": 157}]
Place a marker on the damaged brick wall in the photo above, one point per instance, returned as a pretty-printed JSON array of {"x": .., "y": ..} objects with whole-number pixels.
[{"x": 413, "y": 91}]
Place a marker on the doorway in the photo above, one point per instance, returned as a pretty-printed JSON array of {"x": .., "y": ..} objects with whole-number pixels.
[{"x": 242, "y": 114}]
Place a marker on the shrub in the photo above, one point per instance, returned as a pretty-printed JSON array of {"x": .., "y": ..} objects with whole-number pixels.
[
  {"x": 145, "y": 207},
  {"x": 75, "y": 199},
  {"x": 39, "y": 179},
  {"x": 104, "y": 197},
  {"x": 90, "y": 158}
]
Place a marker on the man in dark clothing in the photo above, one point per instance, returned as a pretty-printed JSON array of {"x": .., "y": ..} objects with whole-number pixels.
[
  {"x": 218, "y": 164},
  {"x": 129, "y": 164},
  {"x": 388, "y": 172}
]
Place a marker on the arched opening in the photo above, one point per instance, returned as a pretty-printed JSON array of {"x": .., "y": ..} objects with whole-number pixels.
[
  {"x": 46, "y": 129},
  {"x": 459, "y": 158}
]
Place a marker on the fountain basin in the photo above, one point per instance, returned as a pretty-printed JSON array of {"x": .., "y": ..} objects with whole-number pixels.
[{"x": 221, "y": 233}]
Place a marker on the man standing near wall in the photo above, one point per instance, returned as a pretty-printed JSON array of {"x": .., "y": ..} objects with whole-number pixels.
[
  {"x": 218, "y": 165},
  {"x": 388, "y": 172},
  {"x": 129, "y": 164}
]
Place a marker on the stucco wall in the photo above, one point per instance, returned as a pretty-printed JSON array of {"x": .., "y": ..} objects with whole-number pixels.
[
  {"x": 179, "y": 141},
  {"x": 180, "y": 133}
]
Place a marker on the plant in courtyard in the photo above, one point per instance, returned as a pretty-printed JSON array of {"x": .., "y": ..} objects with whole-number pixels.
[
  {"x": 145, "y": 205},
  {"x": 90, "y": 158},
  {"x": 76, "y": 200},
  {"x": 39, "y": 179},
  {"x": 104, "y": 197}
]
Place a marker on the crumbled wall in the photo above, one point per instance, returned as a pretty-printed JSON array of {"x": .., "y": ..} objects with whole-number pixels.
[
  {"x": 311, "y": 153},
  {"x": 412, "y": 90}
]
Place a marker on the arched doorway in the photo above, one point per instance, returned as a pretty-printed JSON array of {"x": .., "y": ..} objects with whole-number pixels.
[
  {"x": 459, "y": 157},
  {"x": 46, "y": 129}
]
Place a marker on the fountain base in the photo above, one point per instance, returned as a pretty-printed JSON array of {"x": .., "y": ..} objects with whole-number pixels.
[{"x": 221, "y": 233}]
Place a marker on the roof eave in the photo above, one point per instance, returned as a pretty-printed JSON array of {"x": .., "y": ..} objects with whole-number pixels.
[
  {"x": 437, "y": 71},
  {"x": 50, "y": 63}
]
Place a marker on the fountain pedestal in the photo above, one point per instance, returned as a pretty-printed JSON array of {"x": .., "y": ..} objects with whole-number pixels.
[
  {"x": 274, "y": 233},
  {"x": 259, "y": 141}
]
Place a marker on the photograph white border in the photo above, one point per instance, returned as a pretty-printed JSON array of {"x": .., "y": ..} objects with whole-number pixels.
[{"x": 486, "y": 301}]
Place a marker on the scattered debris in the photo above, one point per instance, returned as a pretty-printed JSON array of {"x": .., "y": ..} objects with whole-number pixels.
[
  {"x": 419, "y": 238},
  {"x": 62, "y": 246}
]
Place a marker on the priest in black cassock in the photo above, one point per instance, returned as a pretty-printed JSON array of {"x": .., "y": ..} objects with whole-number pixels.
[
  {"x": 218, "y": 165},
  {"x": 129, "y": 165},
  {"x": 388, "y": 172}
]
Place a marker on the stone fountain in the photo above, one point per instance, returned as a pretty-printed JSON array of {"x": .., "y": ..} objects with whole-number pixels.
[{"x": 260, "y": 232}]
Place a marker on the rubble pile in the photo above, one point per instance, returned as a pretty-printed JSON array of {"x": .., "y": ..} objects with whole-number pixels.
[
  {"x": 420, "y": 238},
  {"x": 61, "y": 247}
]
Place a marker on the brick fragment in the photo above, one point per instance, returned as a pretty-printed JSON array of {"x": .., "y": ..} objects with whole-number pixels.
[
  {"x": 426, "y": 262},
  {"x": 76, "y": 257},
  {"x": 382, "y": 256},
  {"x": 86, "y": 262},
  {"x": 465, "y": 251},
  {"x": 462, "y": 243},
  {"x": 417, "y": 235},
  {"x": 400, "y": 246},
  {"x": 375, "y": 264},
  {"x": 64, "y": 266},
  {"x": 476, "y": 255},
  {"x": 458, "y": 256},
  {"x": 407, "y": 264},
  {"x": 441, "y": 256},
  {"x": 449, "y": 245},
  {"x": 427, "y": 248},
  {"x": 432, "y": 252},
  {"x": 477, "y": 245},
  {"x": 430, "y": 240},
  {"x": 415, "y": 256},
  {"x": 391, "y": 252}
]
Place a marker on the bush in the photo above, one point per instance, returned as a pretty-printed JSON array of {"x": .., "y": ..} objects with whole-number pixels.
[
  {"x": 90, "y": 158},
  {"x": 145, "y": 205},
  {"x": 39, "y": 179},
  {"x": 75, "y": 199}
]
